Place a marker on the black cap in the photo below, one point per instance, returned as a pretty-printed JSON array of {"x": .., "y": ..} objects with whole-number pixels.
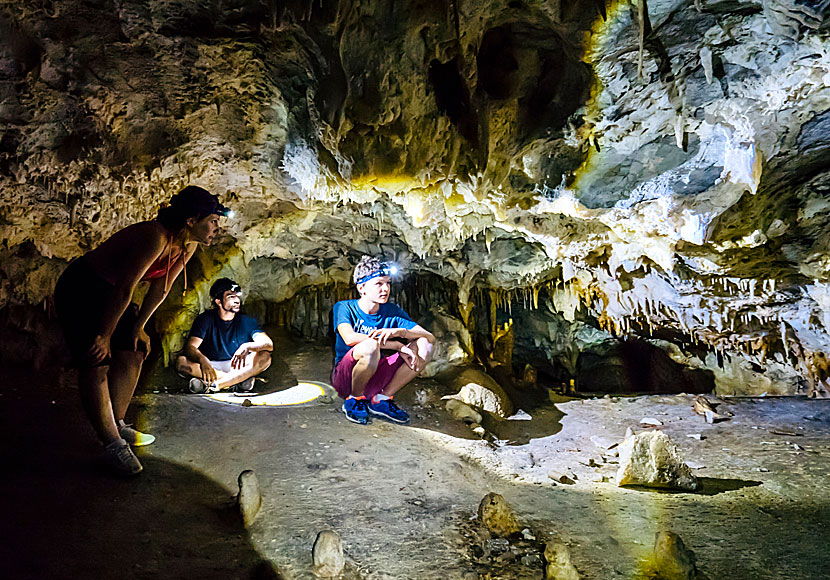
[
  {"x": 222, "y": 285},
  {"x": 199, "y": 199}
]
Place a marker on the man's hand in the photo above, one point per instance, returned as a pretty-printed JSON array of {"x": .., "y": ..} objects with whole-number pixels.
[
  {"x": 238, "y": 360},
  {"x": 209, "y": 375},
  {"x": 99, "y": 349},
  {"x": 383, "y": 334},
  {"x": 411, "y": 358},
  {"x": 141, "y": 341}
]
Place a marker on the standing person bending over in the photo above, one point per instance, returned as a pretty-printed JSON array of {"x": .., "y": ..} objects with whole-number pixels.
[
  {"x": 364, "y": 375},
  {"x": 105, "y": 331},
  {"x": 225, "y": 348}
]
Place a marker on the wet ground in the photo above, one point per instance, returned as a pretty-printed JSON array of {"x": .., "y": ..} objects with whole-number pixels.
[{"x": 403, "y": 498}]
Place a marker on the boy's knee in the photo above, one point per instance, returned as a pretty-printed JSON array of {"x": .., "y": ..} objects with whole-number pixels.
[
  {"x": 368, "y": 349},
  {"x": 181, "y": 363}
]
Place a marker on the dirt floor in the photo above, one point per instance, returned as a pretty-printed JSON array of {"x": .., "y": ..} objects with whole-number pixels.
[{"x": 402, "y": 498}]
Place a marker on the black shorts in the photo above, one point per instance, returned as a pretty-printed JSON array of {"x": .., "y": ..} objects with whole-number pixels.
[{"x": 80, "y": 295}]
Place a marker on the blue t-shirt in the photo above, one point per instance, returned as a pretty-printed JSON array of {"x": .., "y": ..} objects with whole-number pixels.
[
  {"x": 221, "y": 338},
  {"x": 387, "y": 316}
]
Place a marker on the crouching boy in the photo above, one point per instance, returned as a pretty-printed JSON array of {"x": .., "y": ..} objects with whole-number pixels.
[{"x": 378, "y": 348}]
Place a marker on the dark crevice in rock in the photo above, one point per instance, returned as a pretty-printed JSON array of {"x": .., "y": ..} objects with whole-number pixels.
[
  {"x": 497, "y": 64},
  {"x": 453, "y": 97}
]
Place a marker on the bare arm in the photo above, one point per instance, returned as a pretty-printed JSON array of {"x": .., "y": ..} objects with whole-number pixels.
[
  {"x": 157, "y": 291},
  {"x": 260, "y": 342},
  {"x": 348, "y": 334}
]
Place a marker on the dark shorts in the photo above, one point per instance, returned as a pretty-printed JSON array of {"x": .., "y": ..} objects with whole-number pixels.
[
  {"x": 341, "y": 378},
  {"x": 80, "y": 295}
]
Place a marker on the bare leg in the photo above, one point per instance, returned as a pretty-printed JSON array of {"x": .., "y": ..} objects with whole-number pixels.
[
  {"x": 95, "y": 398},
  {"x": 367, "y": 355},
  {"x": 123, "y": 378},
  {"x": 405, "y": 374},
  {"x": 259, "y": 362}
]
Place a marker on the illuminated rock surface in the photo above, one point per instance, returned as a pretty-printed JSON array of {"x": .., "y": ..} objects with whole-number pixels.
[{"x": 525, "y": 153}]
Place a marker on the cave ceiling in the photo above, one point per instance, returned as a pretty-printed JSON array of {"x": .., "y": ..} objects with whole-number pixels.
[{"x": 661, "y": 164}]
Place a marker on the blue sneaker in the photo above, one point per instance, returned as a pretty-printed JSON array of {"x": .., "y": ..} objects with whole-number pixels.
[
  {"x": 355, "y": 410},
  {"x": 389, "y": 410}
]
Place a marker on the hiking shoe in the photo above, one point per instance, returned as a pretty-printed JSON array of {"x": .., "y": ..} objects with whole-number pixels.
[
  {"x": 122, "y": 459},
  {"x": 196, "y": 386},
  {"x": 389, "y": 410},
  {"x": 245, "y": 386},
  {"x": 355, "y": 410},
  {"x": 133, "y": 437}
]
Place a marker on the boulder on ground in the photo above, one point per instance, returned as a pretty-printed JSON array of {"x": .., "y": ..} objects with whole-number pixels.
[
  {"x": 327, "y": 555},
  {"x": 497, "y": 515},
  {"x": 249, "y": 499},
  {"x": 559, "y": 566},
  {"x": 477, "y": 389},
  {"x": 651, "y": 459}
]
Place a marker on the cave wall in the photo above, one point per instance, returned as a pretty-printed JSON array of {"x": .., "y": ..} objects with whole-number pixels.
[{"x": 658, "y": 172}]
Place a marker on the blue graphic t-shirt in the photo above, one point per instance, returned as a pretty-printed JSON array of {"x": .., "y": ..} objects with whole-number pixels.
[{"x": 387, "y": 316}]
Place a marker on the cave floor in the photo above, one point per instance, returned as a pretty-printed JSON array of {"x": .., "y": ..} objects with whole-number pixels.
[{"x": 402, "y": 498}]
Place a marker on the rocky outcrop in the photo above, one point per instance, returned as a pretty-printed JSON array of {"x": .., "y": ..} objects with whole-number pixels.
[
  {"x": 673, "y": 186},
  {"x": 651, "y": 459}
]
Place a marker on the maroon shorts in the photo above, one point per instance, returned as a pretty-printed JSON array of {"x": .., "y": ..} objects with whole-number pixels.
[{"x": 341, "y": 378}]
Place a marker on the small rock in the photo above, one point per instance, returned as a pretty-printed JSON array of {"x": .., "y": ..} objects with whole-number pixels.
[
  {"x": 650, "y": 421},
  {"x": 672, "y": 559},
  {"x": 651, "y": 459},
  {"x": 527, "y": 534},
  {"x": 762, "y": 469},
  {"x": 797, "y": 447},
  {"x": 694, "y": 465},
  {"x": 599, "y": 478},
  {"x": 497, "y": 516},
  {"x": 697, "y": 436},
  {"x": 249, "y": 499},
  {"x": 327, "y": 555},
  {"x": 462, "y": 411},
  {"x": 604, "y": 442},
  {"x": 629, "y": 432},
  {"x": 559, "y": 562},
  {"x": 566, "y": 478},
  {"x": 247, "y": 403},
  {"x": 531, "y": 560}
]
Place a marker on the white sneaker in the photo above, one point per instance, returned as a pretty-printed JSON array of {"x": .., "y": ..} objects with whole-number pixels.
[
  {"x": 133, "y": 437},
  {"x": 122, "y": 459}
]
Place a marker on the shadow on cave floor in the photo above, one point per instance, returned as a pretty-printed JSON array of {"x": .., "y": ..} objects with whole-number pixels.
[
  {"x": 706, "y": 486},
  {"x": 64, "y": 516}
]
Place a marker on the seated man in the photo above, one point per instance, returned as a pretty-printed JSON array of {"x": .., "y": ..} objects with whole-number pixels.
[
  {"x": 364, "y": 375},
  {"x": 225, "y": 348}
]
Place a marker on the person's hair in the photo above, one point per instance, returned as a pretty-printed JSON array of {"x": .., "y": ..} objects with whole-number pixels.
[
  {"x": 366, "y": 266},
  {"x": 222, "y": 285},
  {"x": 192, "y": 201}
]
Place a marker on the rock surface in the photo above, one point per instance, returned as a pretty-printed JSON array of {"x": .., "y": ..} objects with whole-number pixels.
[
  {"x": 524, "y": 153},
  {"x": 559, "y": 566},
  {"x": 672, "y": 559},
  {"x": 327, "y": 555},
  {"x": 477, "y": 389},
  {"x": 497, "y": 516},
  {"x": 249, "y": 499},
  {"x": 651, "y": 459}
]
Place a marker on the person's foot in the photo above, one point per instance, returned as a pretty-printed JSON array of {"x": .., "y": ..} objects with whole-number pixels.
[
  {"x": 355, "y": 410},
  {"x": 121, "y": 458},
  {"x": 387, "y": 409},
  {"x": 134, "y": 437},
  {"x": 245, "y": 386},
  {"x": 197, "y": 386}
]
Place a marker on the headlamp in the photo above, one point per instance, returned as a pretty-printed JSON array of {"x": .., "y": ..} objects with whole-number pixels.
[{"x": 386, "y": 269}]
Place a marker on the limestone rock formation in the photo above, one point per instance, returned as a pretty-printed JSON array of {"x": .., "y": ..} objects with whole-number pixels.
[
  {"x": 496, "y": 515},
  {"x": 672, "y": 560},
  {"x": 479, "y": 390},
  {"x": 249, "y": 499},
  {"x": 524, "y": 154},
  {"x": 327, "y": 555},
  {"x": 651, "y": 459},
  {"x": 559, "y": 566}
]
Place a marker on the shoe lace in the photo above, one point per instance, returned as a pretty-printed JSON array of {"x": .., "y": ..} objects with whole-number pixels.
[
  {"x": 360, "y": 405},
  {"x": 392, "y": 405}
]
